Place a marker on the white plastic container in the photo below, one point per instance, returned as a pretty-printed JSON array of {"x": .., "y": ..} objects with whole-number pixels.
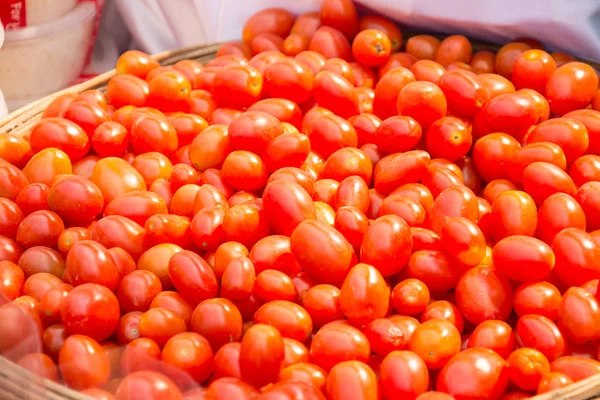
[
  {"x": 22, "y": 13},
  {"x": 39, "y": 60}
]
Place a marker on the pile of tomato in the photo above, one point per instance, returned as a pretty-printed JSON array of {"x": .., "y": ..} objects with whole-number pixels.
[{"x": 314, "y": 214}]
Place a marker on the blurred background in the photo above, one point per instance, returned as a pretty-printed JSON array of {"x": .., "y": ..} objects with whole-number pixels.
[{"x": 48, "y": 45}]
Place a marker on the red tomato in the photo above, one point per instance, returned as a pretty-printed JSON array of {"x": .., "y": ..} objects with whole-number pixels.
[
  {"x": 578, "y": 316},
  {"x": 489, "y": 382},
  {"x": 286, "y": 205},
  {"x": 542, "y": 334},
  {"x": 83, "y": 363},
  {"x": 335, "y": 343},
  {"x": 541, "y": 298},
  {"x": 149, "y": 385},
  {"x": 574, "y": 249},
  {"x": 513, "y": 213},
  {"x": 61, "y": 134},
  {"x": 571, "y": 87},
  {"x": 482, "y": 293},
  {"x": 192, "y": 277},
  {"x": 494, "y": 335},
  {"x": 387, "y": 90},
  {"x": 261, "y": 354}
]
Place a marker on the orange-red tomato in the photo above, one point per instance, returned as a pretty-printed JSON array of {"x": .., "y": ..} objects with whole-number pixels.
[{"x": 570, "y": 87}]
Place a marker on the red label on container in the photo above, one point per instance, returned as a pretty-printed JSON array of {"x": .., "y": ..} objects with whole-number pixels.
[{"x": 12, "y": 14}]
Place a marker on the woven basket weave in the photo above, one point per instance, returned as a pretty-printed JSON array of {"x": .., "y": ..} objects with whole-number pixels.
[{"x": 18, "y": 384}]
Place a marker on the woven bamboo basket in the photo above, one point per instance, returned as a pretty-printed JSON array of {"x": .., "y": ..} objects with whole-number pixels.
[{"x": 17, "y": 383}]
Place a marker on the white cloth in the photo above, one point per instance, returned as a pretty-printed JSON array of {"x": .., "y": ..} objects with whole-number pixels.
[{"x": 567, "y": 25}]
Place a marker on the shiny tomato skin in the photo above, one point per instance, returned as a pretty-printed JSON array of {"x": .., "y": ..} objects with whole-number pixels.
[
  {"x": 138, "y": 206},
  {"x": 10, "y": 250},
  {"x": 449, "y": 137},
  {"x": 489, "y": 382},
  {"x": 494, "y": 335},
  {"x": 455, "y": 201},
  {"x": 91, "y": 310},
  {"x": 12, "y": 280},
  {"x": 314, "y": 245},
  {"x": 364, "y": 380},
  {"x": 40, "y": 228},
  {"x": 237, "y": 86},
  {"x": 261, "y": 354},
  {"x": 571, "y": 87},
  {"x": 115, "y": 176},
  {"x": 83, "y": 363},
  {"x": 482, "y": 293},
  {"x": 352, "y": 223},
  {"x": 462, "y": 239},
  {"x": 192, "y": 276},
  {"x": 587, "y": 198},
  {"x": 75, "y": 199},
  {"x": 410, "y": 365},
  {"x": 149, "y": 385},
  {"x": 14, "y": 180},
  {"x": 191, "y": 353},
  {"x": 464, "y": 91},
  {"x": 290, "y": 319},
  {"x": 90, "y": 262},
  {"x": 10, "y": 218},
  {"x": 119, "y": 231},
  {"x": 391, "y": 254},
  {"x": 61, "y": 134},
  {"x": 523, "y": 258},
  {"x": 387, "y": 90},
  {"x": 151, "y": 133},
  {"x": 574, "y": 250},
  {"x": 287, "y": 204},
  {"x": 513, "y": 213},
  {"x": 137, "y": 290},
  {"x": 364, "y": 295},
  {"x": 579, "y": 316},
  {"x": 337, "y": 342},
  {"x": 542, "y": 334},
  {"x": 400, "y": 169},
  {"x": 576, "y": 368},
  {"x": 541, "y": 298},
  {"x": 570, "y": 134},
  {"x": 585, "y": 169},
  {"x": 557, "y": 212},
  {"x": 33, "y": 197}
]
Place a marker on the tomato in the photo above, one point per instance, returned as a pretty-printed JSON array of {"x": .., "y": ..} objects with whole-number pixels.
[
  {"x": 409, "y": 364},
  {"x": 574, "y": 248},
  {"x": 83, "y": 363},
  {"x": 227, "y": 361},
  {"x": 266, "y": 42},
  {"x": 244, "y": 170},
  {"x": 273, "y": 285},
  {"x": 541, "y": 298},
  {"x": 290, "y": 319},
  {"x": 288, "y": 79},
  {"x": 237, "y": 86},
  {"x": 322, "y": 251},
  {"x": 387, "y": 90},
  {"x": 540, "y": 333},
  {"x": 571, "y": 87},
  {"x": 482, "y": 293},
  {"x": 75, "y": 199},
  {"x": 137, "y": 290},
  {"x": 449, "y": 138},
  {"x": 10, "y": 250},
  {"x": 38, "y": 284},
  {"x": 191, "y": 353},
  {"x": 523, "y": 258},
  {"x": 261, "y": 354},
  {"x": 10, "y": 218},
  {"x": 335, "y": 343},
  {"x": 124, "y": 90},
  {"x": 118, "y": 231},
  {"x": 272, "y": 20},
  {"x": 137, "y": 205},
  {"x": 454, "y": 48},
  {"x": 52, "y": 301},
  {"x": 33, "y": 197},
  {"x": 455, "y": 201},
  {"x": 347, "y": 162},
  {"x": 364, "y": 295},
  {"x": 40, "y": 228},
  {"x": 435, "y": 342},
  {"x": 463, "y": 240},
  {"x": 15, "y": 150},
  {"x": 532, "y": 69},
  {"x": 322, "y": 302},
  {"x": 174, "y": 302},
  {"x": 148, "y": 385},
  {"x": 585, "y": 169},
  {"x": 576, "y": 368},
  {"x": 330, "y": 42},
  {"x": 424, "y": 239},
  {"x": 553, "y": 381},
  {"x": 12, "y": 279},
  {"x": 364, "y": 381},
  {"x": 557, "y": 212},
  {"x": 114, "y": 177},
  {"x": 587, "y": 199},
  {"x": 494, "y": 335},
  {"x": 168, "y": 228},
  {"x": 287, "y": 198},
  {"x": 128, "y": 328},
  {"x": 136, "y": 63},
  {"x": 578, "y": 316},
  {"x": 488, "y": 382},
  {"x": 192, "y": 276},
  {"x": 110, "y": 139},
  {"x": 513, "y": 213}
]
